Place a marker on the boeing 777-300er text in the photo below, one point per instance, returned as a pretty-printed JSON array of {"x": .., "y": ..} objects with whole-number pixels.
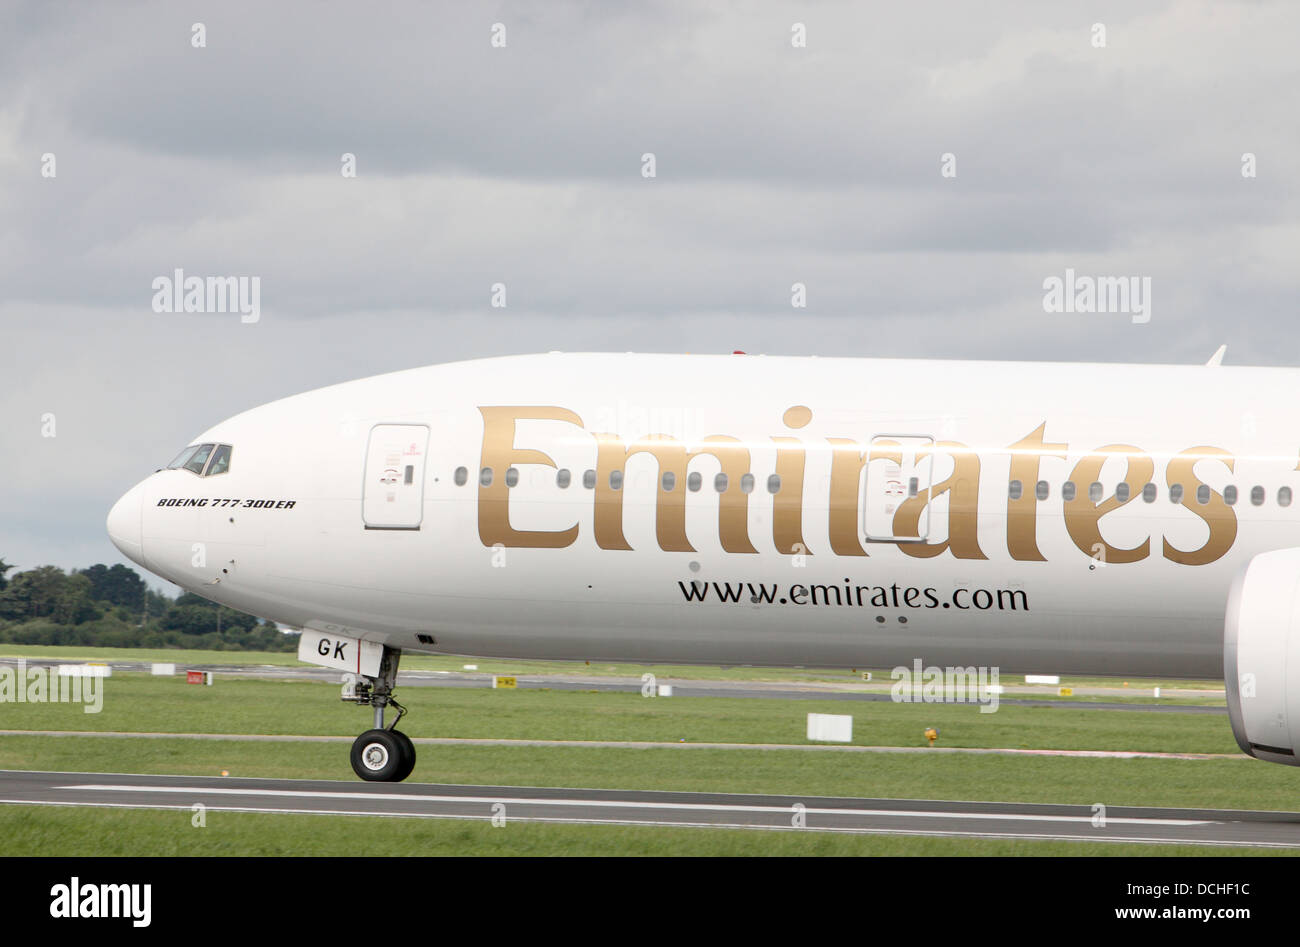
[{"x": 842, "y": 512}]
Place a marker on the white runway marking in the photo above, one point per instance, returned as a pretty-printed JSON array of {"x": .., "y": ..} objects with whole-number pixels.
[
  {"x": 928, "y": 833},
  {"x": 622, "y": 804}
]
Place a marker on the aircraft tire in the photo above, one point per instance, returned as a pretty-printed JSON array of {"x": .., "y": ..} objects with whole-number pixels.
[
  {"x": 380, "y": 756},
  {"x": 408, "y": 755}
]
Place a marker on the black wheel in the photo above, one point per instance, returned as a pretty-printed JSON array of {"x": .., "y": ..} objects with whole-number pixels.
[
  {"x": 380, "y": 756},
  {"x": 408, "y": 755}
]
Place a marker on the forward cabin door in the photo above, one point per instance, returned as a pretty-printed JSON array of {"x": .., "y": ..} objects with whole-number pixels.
[
  {"x": 393, "y": 494},
  {"x": 899, "y": 468}
]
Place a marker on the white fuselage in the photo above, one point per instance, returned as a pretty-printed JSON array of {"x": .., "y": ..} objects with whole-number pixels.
[{"x": 906, "y": 520}]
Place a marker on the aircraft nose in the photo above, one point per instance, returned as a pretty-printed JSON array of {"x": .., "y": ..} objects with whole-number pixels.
[{"x": 124, "y": 527}]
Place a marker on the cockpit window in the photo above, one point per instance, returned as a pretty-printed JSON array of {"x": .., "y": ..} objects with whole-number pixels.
[
  {"x": 215, "y": 457},
  {"x": 182, "y": 457},
  {"x": 220, "y": 462},
  {"x": 198, "y": 459}
]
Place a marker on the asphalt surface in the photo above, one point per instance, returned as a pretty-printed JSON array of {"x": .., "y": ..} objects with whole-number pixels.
[
  {"x": 744, "y": 689},
  {"x": 1232, "y": 828}
]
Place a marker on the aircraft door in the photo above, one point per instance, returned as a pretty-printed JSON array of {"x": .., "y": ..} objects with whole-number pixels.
[
  {"x": 898, "y": 468},
  {"x": 393, "y": 492}
]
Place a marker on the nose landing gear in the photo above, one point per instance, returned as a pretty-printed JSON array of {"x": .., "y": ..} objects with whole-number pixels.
[{"x": 381, "y": 754}]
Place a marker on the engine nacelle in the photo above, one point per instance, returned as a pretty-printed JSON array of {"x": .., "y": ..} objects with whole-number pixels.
[{"x": 1261, "y": 657}]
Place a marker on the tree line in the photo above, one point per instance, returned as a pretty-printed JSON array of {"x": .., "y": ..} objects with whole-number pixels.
[{"x": 111, "y": 606}]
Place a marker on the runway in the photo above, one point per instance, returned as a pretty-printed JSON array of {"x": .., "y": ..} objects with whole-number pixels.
[
  {"x": 741, "y": 689},
  {"x": 1229, "y": 828}
]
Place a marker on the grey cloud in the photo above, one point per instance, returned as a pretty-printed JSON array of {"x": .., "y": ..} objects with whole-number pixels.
[{"x": 522, "y": 165}]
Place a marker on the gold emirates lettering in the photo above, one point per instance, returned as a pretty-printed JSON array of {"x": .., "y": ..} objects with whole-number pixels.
[{"x": 849, "y": 457}]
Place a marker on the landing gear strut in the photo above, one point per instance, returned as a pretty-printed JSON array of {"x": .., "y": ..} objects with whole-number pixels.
[{"x": 382, "y": 754}]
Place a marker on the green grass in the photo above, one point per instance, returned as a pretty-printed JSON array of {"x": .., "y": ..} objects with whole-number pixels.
[
  {"x": 419, "y": 662},
  {"x": 177, "y": 656},
  {"x": 137, "y": 702},
  {"x": 1122, "y": 699},
  {"x": 71, "y": 832}
]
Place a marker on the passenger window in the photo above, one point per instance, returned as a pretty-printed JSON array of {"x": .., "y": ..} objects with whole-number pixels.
[
  {"x": 198, "y": 459},
  {"x": 485, "y": 476},
  {"x": 669, "y": 481},
  {"x": 589, "y": 479},
  {"x": 220, "y": 460},
  {"x": 616, "y": 480},
  {"x": 1202, "y": 494},
  {"x": 1257, "y": 496},
  {"x": 694, "y": 482},
  {"x": 1095, "y": 491},
  {"x": 1149, "y": 493},
  {"x": 747, "y": 483},
  {"x": 1015, "y": 490},
  {"x": 461, "y": 476},
  {"x": 774, "y": 483},
  {"x": 563, "y": 478},
  {"x": 1175, "y": 493},
  {"x": 720, "y": 483},
  {"x": 1041, "y": 490},
  {"x": 1284, "y": 496},
  {"x": 1230, "y": 495},
  {"x": 1067, "y": 491},
  {"x": 512, "y": 477},
  {"x": 1122, "y": 491}
]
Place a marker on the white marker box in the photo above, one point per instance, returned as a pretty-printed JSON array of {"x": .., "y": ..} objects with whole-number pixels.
[
  {"x": 1042, "y": 679},
  {"x": 85, "y": 670},
  {"x": 830, "y": 728}
]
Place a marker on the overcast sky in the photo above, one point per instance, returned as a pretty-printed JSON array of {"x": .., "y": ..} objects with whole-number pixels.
[{"x": 522, "y": 164}]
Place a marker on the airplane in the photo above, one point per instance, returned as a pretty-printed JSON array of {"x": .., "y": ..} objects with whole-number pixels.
[{"x": 1077, "y": 518}]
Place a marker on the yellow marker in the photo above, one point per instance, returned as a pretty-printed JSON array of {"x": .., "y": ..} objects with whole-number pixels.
[
  {"x": 931, "y": 734},
  {"x": 225, "y": 772},
  {"x": 1066, "y": 692},
  {"x": 505, "y": 682}
]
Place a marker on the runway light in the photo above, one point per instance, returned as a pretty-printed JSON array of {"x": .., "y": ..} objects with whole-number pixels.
[
  {"x": 225, "y": 772},
  {"x": 931, "y": 734}
]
